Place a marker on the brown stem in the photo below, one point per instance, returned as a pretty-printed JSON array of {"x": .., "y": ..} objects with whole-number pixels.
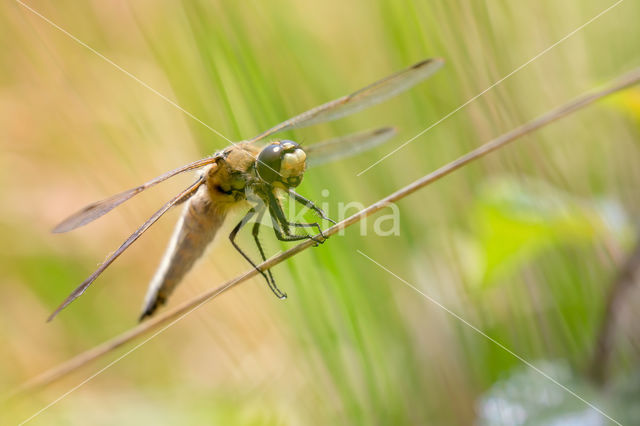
[
  {"x": 628, "y": 274},
  {"x": 176, "y": 314}
]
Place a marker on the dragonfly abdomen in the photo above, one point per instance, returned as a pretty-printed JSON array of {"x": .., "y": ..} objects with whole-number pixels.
[{"x": 200, "y": 220}]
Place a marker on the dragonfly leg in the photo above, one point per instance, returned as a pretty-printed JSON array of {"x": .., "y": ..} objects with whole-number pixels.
[
  {"x": 232, "y": 238},
  {"x": 308, "y": 203},
  {"x": 270, "y": 281},
  {"x": 310, "y": 225},
  {"x": 281, "y": 224}
]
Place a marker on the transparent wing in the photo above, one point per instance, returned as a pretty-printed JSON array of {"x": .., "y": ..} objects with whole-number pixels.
[
  {"x": 181, "y": 197},
  {"x": 100, "y": 208},
  {"x": 363, "y": 98},
  {"x": 346, "y": 146}
]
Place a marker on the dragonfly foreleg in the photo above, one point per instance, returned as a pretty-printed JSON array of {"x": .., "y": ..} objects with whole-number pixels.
[
  {"x": 281, "y": 224},
  {"x": 308, "y": 203},
  {"x": 256, "y": 227}
]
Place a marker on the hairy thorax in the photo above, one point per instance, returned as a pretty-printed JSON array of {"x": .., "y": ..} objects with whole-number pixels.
[{"x": 228, "y": 179}]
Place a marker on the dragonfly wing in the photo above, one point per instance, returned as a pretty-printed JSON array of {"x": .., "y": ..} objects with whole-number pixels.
[
  {"x": 100, "y": 208},
  {"x": 201, "y": 219},
  {"x": 373, "y": 94},
  {"x": 184, "y": 195},
  {"x": 346, "y": 146}
]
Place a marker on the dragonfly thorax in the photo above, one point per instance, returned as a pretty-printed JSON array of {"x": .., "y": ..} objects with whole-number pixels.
[{"x": 282, "y": 163}]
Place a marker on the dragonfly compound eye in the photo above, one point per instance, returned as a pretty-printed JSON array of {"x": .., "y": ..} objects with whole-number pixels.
[
  {"x": 282, "y": 162},
  {"x": 269, "y": 163}
]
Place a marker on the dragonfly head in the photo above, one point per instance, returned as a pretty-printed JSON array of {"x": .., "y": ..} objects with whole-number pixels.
[{"x": 282, "y": 163}]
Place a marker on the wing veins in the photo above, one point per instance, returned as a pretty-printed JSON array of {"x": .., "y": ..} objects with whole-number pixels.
[
  {"x": 347, "y": 145},
  {"x": 100, "y": 208},
  {"x": 181, "y": 197},
  {"x": 372, "y": 94}
]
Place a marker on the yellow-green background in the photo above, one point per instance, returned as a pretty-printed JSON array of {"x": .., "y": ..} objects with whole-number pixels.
[{"x": 523, "y": 244}]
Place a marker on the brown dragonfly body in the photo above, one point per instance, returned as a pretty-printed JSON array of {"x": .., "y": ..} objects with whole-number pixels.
[
  {"x": 202, "y": 216},
  {"x": 247, "y": 175}
]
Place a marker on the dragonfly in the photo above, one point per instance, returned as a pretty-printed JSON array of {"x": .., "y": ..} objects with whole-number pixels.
[{"x": 254, "y": 174}]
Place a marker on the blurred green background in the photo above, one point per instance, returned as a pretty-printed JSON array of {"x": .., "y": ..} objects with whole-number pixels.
[{"x": 523, "y": 244}]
